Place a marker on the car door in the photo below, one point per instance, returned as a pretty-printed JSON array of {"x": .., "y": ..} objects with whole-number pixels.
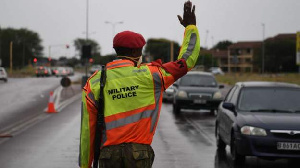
[
  {"x": 223, "y": 116},
  {"x": 231, "y": 115},
  {"x": 228, "y": 117}
]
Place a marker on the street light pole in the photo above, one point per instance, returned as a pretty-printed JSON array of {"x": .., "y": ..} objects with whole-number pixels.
[
  {"x": 205, "y": 45},
  {"x": 263, "y": 49},
  {"x": 87, "y": 19},
  {"x": 84, "y": 78},
  {"x": 212, "y": 61},
  {"x": 11, "y": 56}
]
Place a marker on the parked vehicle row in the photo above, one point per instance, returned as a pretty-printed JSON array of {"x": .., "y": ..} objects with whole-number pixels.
[{"x": 44, "y": 71}]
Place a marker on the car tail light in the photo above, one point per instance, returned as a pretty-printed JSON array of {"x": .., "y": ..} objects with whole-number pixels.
[{"x": 56, "y": 71}]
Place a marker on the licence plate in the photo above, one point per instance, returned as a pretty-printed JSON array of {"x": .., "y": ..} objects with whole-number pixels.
[
  {"x": 199, "y": 101},
  {"x": 288, "y": 146}
]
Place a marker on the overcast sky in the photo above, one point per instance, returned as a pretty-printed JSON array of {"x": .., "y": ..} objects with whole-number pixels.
[{"x": 59, "y": 22}]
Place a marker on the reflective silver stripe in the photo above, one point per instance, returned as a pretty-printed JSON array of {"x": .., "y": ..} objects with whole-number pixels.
[
  {"x": 125, "y": 63},
  {"x": 128, "y": 120},
  {"x": 191, "y": 46},
  {"x": 104, "y": 137},
  {"x": 92, "y": 98},
  {"x": 146, "y": 114},
  {"x": 157, "y": 91},
  {"x": 96, "y": 81}
]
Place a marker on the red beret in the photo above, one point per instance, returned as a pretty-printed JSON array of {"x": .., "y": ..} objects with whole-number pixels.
[{"x": 129, "y": 39}]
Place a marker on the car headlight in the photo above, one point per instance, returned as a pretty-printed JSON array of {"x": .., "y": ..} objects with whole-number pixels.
[
  {"x": 248, "y": 130},
  {"x": 182, "y": 94},
  {"x": 217, "y": 95}
]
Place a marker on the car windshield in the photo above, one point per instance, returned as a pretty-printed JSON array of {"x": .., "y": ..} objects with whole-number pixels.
[
  {"x": 274, "y": 99},
  {"x": 198, "y": 80}
]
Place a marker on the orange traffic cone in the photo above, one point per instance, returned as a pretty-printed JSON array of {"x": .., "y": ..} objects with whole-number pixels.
[{"x": 51, "y": 108}]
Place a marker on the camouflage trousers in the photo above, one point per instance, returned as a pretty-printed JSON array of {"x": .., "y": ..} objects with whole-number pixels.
[{"x": 126, "y": 155}]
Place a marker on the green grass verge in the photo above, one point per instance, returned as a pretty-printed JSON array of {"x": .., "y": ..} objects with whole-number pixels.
[
  {"x": 28, "y": 71},
  {"x": 232, "y": 78}
]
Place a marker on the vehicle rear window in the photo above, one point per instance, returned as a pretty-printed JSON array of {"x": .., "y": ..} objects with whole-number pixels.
[
  {"x": 198, "y": 80},
  {"x": 276, "y": 98}
]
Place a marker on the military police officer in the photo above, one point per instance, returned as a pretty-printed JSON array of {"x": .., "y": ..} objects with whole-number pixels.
[{"x": 132, "y": 99}]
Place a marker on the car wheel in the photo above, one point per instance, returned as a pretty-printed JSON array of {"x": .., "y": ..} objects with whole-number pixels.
[
  {"x": 237, "y": 158},
  {"x": 176, "y": 108},
  {"x": 212, "y": 112},
  {"x": 220, "y": 143},
  {"x": 5, "y": 80}
]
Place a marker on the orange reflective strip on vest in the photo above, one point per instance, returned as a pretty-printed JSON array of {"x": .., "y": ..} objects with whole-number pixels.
[
  {"x": 128, "y": 120},
  {"x": 113, "y": 65},
  {"x": 127, "y": 114}
]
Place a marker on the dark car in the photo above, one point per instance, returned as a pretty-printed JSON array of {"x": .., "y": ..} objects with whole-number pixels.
[
  {"x": 197, "y": 90},
  {"x": 260, "y": 119}
]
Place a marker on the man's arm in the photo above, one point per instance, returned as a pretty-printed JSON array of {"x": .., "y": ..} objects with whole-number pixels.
[
  {"x": 87, "y": 130},
  {"x": 191, "y": 43},
  {"x": 189, "y": 51}
]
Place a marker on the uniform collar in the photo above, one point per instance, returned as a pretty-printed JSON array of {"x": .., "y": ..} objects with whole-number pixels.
[{"x": 119, "y": 63}]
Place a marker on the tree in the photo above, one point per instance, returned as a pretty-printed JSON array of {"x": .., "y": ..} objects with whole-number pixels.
[
  {"x": 223, "y": 45},
  {"x": 160, "y": 49},
  {"x": 206, "y": 60},
  {"x": 280, "y": 56},
  {"x": 26, "y": 46}
]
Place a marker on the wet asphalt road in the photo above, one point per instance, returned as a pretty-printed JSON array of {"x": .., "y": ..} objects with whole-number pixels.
[{"x": 181, "y": 141}]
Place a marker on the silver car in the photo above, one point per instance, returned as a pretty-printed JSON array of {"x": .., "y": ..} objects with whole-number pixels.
[{"x": 3, "y": 74}]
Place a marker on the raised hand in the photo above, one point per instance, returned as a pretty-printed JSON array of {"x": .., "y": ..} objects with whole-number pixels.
[{"x": 189, "y": 17}]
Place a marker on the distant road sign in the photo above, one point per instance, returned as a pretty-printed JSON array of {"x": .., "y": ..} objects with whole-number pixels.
[{"x": 65, "y": 82}]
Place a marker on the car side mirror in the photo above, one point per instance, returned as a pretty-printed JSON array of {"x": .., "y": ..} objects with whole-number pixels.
[
  {"x": 229, "y": 106},
  {"x": 221, "y": 86}
]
